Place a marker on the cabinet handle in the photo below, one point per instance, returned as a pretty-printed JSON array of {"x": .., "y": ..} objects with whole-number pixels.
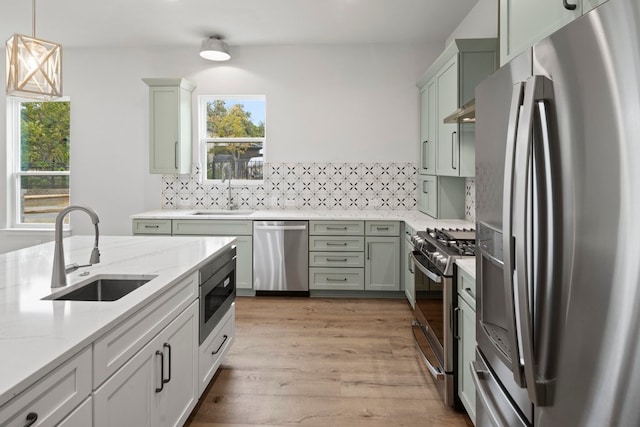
[
  {"x": 425, "y": 161},
  {"x": 337, "y": 259},
  {"x": 161, "y": 354},
  {"x": 175, "y": 160},
  {"x": 151, "y": 226},
  {"x": 382, "y": 228},
  {"x": 453, "y": 137},
  {"x": 410, "y": 264},
  {"x": 425, "y": 187},
  {"x": 336, "y": 244},
  {"x": 455, "y": 322},
  {"x": 369, "y": 250},
  {"x": 331, "y": 279},
  {"x": 221, "y": 344},
  {"x": 471, "y": 294},
  {"x": 336, "y": 228},
  {"x": 165, "y": 345},
  {"x": 568, "y": 5},
  {"x": 32, "y": 417}
]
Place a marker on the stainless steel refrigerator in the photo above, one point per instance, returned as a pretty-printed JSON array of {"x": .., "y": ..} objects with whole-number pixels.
[{"x": 558, "y": 223}]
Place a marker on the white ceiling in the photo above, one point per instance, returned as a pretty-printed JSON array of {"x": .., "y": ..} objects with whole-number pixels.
[{"x": 118, "y": 23}]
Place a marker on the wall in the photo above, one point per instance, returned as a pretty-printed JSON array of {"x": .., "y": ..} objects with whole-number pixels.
[
  {"x": 352, "y": 104},
  {"x": 480, "y": 22}
]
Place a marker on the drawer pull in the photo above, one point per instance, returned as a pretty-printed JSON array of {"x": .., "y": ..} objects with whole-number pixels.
[
  {"x": 468, "y": 290},
  {"x": 151, "y": 226},
  {"x": 32, "y": 417},
  {"x": 336, "y": 228},
  {"x": 331, "y": 279},
  {"x": 161, "y": 354},
  {"x": 165, "y": 345},
  {"x": 337, "y": 244},
  {"x": 221, "y": 344},
  {"x": 568, "y": 5},
  {"x": 382, "y": 228},
  {"x": 337, "y": 259}
]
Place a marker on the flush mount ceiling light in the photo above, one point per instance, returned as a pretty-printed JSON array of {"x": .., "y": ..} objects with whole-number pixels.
[
  {"x": 214, "y": 49},
  {"x": 34, "y": 66}
]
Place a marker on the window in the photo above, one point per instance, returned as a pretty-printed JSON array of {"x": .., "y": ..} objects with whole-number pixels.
[
  {"x": 39, "y": 149},
  {"x": 232, "y": 130}
]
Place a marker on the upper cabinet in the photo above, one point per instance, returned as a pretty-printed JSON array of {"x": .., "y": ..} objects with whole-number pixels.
[
  {"x": 448, "y": 149},
  {"x": 524, "y": 23},
  {"x": 169, "y": 125}
]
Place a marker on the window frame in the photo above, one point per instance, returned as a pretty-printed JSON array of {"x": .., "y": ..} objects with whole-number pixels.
[
  {"x": 14, "y": 174},
  {"x": 204, "y": 140}
]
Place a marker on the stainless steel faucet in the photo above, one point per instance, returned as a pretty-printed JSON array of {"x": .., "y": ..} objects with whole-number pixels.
[
  {"x": 226, "y": 174},
  {"x": 60, "y": 270}
]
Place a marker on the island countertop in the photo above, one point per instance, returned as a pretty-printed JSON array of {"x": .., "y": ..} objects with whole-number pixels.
[{"x": 37, "y": 335}]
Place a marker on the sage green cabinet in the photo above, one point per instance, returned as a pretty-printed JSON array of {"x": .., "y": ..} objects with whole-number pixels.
[
  {"x": 448, "y": 162},
  {"x": 523, "y": 23},
  {"x": 169, "y": 125},
  {"x": 382, "y": 264},
  {"x": 428, "y": 128},
  {"x": 408, "y": 274},
  {"x": 152, "y": 226},
  {"x": 441, "y": 196},
  {"x": 466, "y": 337},
  {"x": 241, "y": 229}
]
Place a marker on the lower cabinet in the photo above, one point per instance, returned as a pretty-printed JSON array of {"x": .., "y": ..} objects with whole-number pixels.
[
  {"x": 158, "y": 385},
  {"x": 382, "y": 266},
  {"x": 409, "y": 274},
  {"x": 82, "y": 416},
  {"x": 466, "y": 316},
  {"x": 215, "y": 347}
]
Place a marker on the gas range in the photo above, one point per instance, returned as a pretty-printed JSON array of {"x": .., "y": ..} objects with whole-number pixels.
[{"x": 442, "y": 246}]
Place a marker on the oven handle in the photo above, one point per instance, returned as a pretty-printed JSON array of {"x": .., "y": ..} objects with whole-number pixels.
[
  {"x": 435, "y": 372},
  {"x": 430, "y": 274}
]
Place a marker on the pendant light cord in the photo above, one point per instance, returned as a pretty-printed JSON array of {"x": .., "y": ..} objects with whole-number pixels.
[{"x": 33, "y": 18}]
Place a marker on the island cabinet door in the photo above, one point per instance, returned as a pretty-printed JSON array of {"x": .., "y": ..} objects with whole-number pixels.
[{"x": 157, "y": 386}]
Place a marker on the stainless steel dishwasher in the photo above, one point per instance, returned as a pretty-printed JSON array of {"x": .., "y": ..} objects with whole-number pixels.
[{"x": 280, "y": 257}]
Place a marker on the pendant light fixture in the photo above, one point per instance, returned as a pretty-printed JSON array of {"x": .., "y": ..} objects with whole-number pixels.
[
  {"x": 34, "y": 66},
  {"x": 214, "y": 49}
]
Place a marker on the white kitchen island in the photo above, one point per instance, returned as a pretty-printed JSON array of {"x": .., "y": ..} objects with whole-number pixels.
[{"x": 37, "y": 336}]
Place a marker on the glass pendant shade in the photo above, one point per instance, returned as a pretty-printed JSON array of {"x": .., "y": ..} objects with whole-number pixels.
[{"x": 34, "y": 68}]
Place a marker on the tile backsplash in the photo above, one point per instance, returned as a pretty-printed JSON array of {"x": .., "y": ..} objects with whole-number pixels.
[{"x": 324, "y": 186}]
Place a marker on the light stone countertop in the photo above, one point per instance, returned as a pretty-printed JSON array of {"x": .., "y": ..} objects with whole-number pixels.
[
  {"x": 468, "y": 265},
  {"x": 414, "y": 218},
  {"x": 38, "y": 335}
]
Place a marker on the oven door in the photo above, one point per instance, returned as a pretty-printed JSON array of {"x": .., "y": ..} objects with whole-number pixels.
[
  {"x": 216, "y": 296},
  {"x": 432, "y": 327}
]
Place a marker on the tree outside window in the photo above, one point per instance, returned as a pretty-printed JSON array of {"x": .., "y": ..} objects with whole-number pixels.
[{"x": 234, "y": 137}]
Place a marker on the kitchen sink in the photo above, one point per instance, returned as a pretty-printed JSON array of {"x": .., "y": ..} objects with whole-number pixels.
[
  {"x": 225, "y": 213},
  {"x": 102, "y": 288}
]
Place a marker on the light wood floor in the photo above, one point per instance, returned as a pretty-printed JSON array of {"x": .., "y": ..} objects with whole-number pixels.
[{"x": 322, "y": 362}]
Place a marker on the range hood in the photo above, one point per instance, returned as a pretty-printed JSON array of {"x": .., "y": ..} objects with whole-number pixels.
[{"x": 465, "y": 114}]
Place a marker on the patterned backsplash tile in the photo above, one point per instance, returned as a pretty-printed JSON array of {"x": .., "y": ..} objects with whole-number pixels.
[{"x": 344, "y": 186}]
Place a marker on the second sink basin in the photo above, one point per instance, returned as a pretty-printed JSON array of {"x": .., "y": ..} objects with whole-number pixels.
[{"x": 103, "y": 288}]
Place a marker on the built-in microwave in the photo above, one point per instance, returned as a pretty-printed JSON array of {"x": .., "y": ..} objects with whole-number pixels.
[{"x": 217, "y": 291}]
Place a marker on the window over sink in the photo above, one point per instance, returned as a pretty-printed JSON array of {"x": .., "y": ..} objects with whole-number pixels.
[{"x": 232, "y": 137}]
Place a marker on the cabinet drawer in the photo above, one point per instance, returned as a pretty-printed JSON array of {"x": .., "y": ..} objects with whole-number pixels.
[
  {"x": 214, "y": 227},
  {"x": 382, "y": 228},
  {"x": 122, "y": 342},
  {"x": 336, "y": 228},
  {"x": 54, "y": 396},
  {"x": 344, "y": 279},
  {"x": 467, "y": 287},
  {"x": 151, "y": 226},
  {"x": 331, "y": 259},
  {"x": 215, "y": 347},
  {"x": 336, "y": 244}
]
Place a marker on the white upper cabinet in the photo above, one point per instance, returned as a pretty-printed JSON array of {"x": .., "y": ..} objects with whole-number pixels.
[
  {"x": 524, "y": 23},
  {"x": 169, "y": 125}
]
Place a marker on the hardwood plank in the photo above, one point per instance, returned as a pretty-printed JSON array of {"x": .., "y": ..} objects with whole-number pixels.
[{"x": 322, "y": 362}]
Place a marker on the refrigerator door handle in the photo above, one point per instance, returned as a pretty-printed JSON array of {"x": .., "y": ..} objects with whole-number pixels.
[
  {"x": 524, "y": 203},
  {"x": 507, "y": 221}
]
